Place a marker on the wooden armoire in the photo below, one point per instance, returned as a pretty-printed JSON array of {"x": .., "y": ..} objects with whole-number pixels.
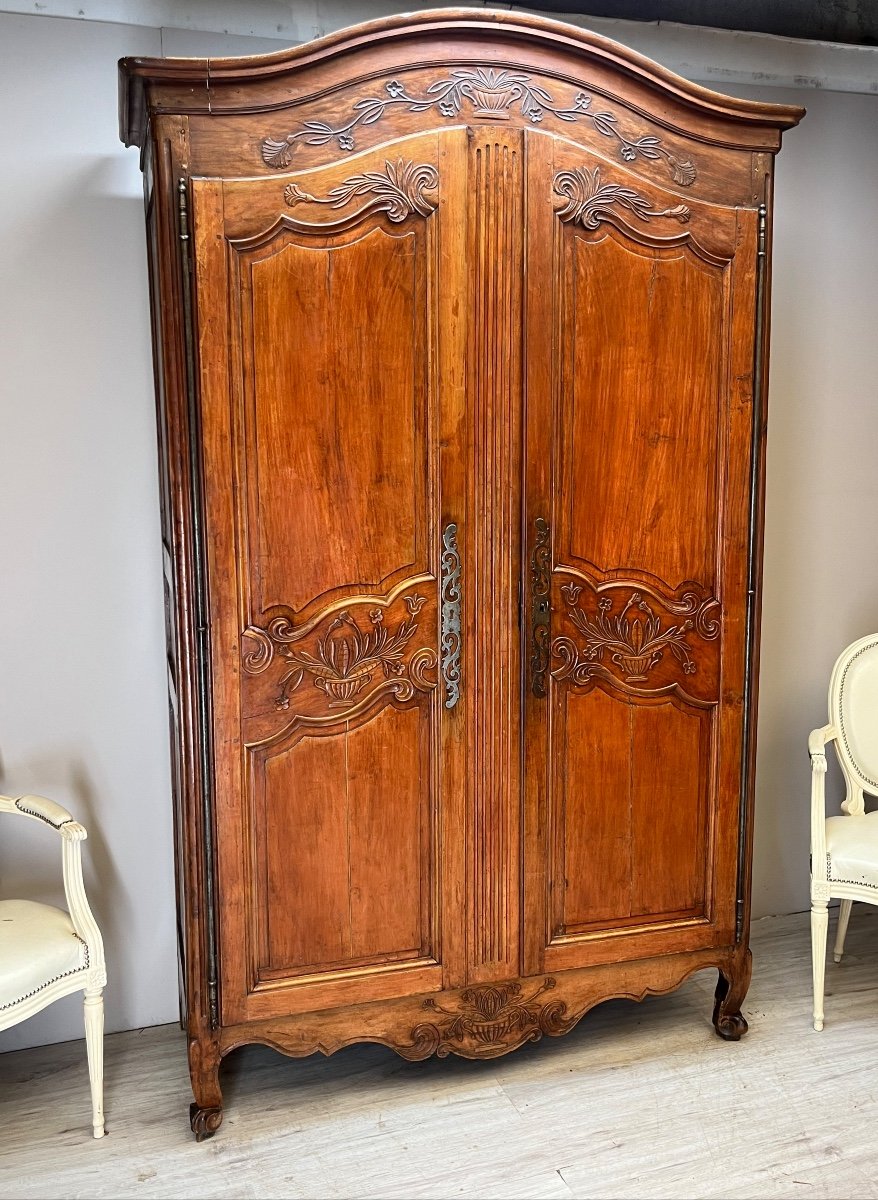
[{"x": 460, "y": 325}]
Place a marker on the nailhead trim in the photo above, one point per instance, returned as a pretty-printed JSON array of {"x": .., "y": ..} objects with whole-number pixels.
[
  {"x": 49, "y": 982},
  {"x": 872, "y": 782},
  {"x": 853, "y": 882},
  {"x": 40, "y": 816}
]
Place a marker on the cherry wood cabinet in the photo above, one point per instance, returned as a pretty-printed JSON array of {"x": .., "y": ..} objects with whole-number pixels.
[{"x": 460, "y": 338}]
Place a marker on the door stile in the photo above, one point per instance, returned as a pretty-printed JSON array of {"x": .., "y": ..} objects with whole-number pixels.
[
  {"x": 541, "y": 297},
  {"x": 447, "y": 303},
  {"x": 492, "y": 556},
  {"x": 216, "y": 433},
  {"x": 746, "y": 494}
]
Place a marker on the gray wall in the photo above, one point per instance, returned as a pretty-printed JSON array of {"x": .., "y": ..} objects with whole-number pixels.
[{"x": 82, "y": 704}]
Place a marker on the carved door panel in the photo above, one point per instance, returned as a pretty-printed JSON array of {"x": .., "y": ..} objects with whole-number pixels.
[
  {"x": 640, "y": 321},
  {"x": 332, "y": 343}
]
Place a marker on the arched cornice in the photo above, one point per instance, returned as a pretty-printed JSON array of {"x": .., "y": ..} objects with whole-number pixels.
[{"x": 201, "y": 85}]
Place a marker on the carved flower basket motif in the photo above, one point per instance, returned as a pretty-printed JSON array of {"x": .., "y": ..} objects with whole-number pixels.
[
  {"x": 492, "y": 1032},
  {"x": 342, "y": 691},
  {"x": 491, "y": 1016},
  {"x": 635, "y": 643},
  {"x": 347, "y": 658},
  {"x": 636, "y": 666},
  {"x": 493, "y": 103}
]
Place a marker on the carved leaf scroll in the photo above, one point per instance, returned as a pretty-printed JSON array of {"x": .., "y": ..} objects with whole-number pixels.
[
  {"x": 588, "y": 201},
  {"x": 488, "y": 94},
  {"x": 398, "y": 190}
]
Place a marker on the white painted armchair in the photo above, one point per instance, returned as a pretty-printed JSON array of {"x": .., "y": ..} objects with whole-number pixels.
[
  {"x": 844, "y": 849},
  {"x": 46, "y": 953}
]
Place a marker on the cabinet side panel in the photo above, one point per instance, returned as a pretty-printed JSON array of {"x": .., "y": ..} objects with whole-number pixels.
[
  {"x": 168, "y": 584},
  {"x": 164, "y": 161}
]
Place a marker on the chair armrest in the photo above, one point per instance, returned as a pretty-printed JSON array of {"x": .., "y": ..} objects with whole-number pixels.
[
  {"x": 816, "y": 749},
  {"x": 818, "y": 738},
  {"x": 40, "y": 808},
  {"x": 78, "y": 906}
]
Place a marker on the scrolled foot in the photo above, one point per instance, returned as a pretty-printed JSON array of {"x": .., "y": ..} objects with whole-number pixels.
[
  {"x": 206, "y": 1114},
  {"x": 731, "y": 1027},
  {"x": 204, "y": 1121},
  {"x": 731, "y": 988}
]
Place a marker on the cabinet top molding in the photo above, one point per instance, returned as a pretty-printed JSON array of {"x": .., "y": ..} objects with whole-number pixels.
[{"x": 501, "y": 39}]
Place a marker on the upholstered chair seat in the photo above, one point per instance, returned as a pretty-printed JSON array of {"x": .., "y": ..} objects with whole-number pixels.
[
  {"x": 38, "y": 945},
  {"x": 852, "y": 850}
]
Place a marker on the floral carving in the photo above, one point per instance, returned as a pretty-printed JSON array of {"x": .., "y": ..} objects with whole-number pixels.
[
  {"x": 346, "y": 658},
  {"x": 634, "y": 639},
  {"x": 490, "y": 1020},
  {"x": 490, "y": 95},
  {"x": 398, "y": 191},
  {"x": 589, "y": 201}
]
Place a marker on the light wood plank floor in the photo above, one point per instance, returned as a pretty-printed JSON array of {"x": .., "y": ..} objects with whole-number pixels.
[{"x": 638, "y": 1101}]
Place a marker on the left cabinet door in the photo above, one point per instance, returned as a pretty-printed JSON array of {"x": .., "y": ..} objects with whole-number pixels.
[{"x": 329, "y": 312}]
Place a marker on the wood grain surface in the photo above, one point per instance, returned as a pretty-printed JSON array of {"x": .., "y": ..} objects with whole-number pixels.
[{"x": 457, "y": 322}]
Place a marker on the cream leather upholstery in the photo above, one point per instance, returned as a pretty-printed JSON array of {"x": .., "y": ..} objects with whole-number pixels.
[
  {"x": 38, "y": 945},
  {"x": 46, "y": 953},
  {"x": 852, "y": 850},
  {"x": 844, "y": 849}
]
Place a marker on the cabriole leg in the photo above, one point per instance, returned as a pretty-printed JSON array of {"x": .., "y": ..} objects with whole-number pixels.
[
  {"x": 844, "y": 915},
  {"x": 731, "y": 988},
  {"x": 93, "y": 1006},
  {"x": 819, "y": 928},
  {"x": 206, "y": 1114}
]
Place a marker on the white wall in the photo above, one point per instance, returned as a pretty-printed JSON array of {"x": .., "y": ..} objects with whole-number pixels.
[
  {"x": 82, "y": 704},
  {"x": 821, "y": 535}
]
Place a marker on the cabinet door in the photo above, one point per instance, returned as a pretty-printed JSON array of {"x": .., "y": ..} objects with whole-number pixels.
[
  {"x": 331, "y": 342},
  {"x": 638, "y": 437}
]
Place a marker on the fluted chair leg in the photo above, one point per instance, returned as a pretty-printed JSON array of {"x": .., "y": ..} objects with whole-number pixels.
[
  {"x": 94, "y": 1043},
  {"x": 844, "y": 915},
  {"x": 819, "y": 928}
]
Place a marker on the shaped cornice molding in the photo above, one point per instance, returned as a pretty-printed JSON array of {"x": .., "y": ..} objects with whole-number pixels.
[{"x": 181, "y": 85}]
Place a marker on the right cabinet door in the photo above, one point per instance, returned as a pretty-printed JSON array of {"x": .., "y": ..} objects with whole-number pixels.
[{"x": 639, "y": 401}]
